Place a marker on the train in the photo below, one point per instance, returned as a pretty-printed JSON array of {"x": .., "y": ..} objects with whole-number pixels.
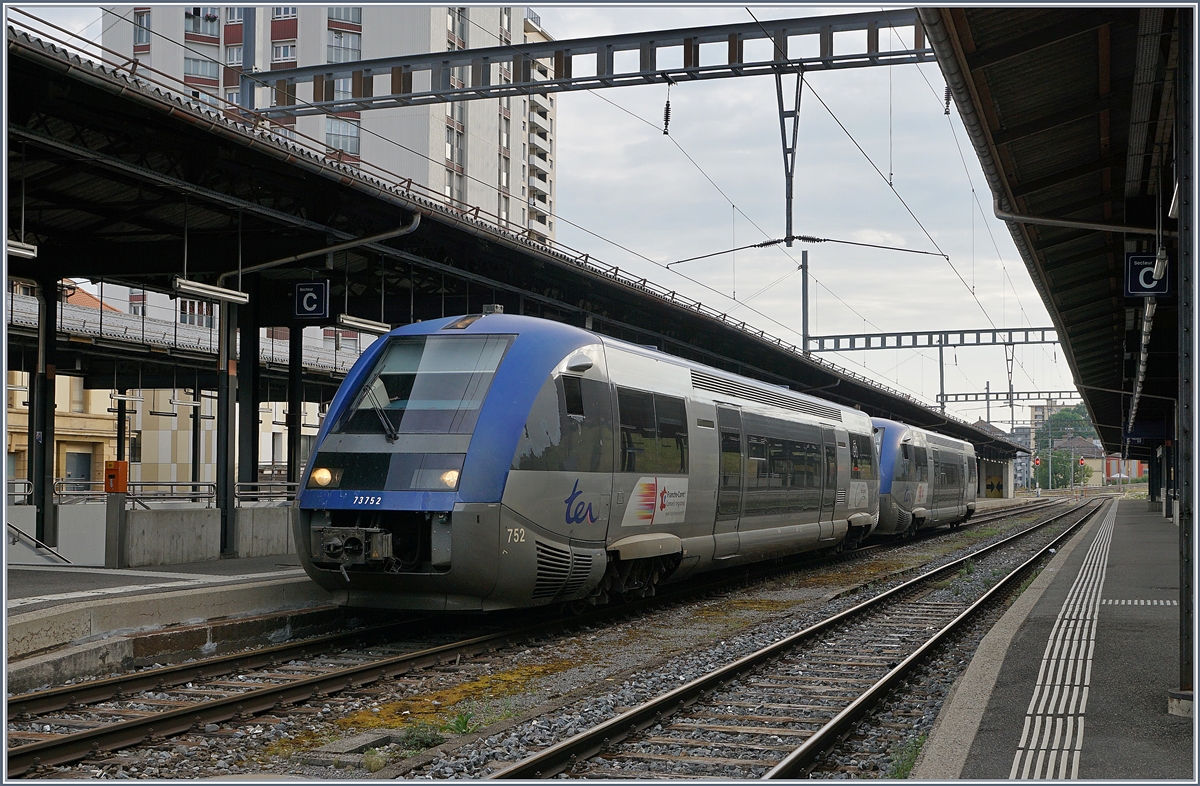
[
  {"x": 488, "y": 462},
  {"x": 927, "y": 480}
]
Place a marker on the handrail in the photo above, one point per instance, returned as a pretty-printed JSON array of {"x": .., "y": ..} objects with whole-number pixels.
[
  {"x": 20, "y": 533},
  {"x": 174, "y": 491},
  {"x": 258, "y": 491},
  {"x": 19, "y": 488}
]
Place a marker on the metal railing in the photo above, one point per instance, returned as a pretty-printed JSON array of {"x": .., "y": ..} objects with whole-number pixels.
[
  {"x": 18, "y": 491},
  {"x": 68, "y": 491},
  {"x": 264, "y": 491},
  {"x": 75, "y": 320}
]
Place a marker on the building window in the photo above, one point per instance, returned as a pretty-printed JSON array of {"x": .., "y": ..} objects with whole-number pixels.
[
  {"x": 233, "y": 14},
  {"x": 233, "y": 96},
  {"x": 233, "y": 56},
  {"x": 206, "y": 98},
  {"x": 137, "y": 303},
  {"x": 193, "y": 66},
  {"x": 353, "y": 15},
  {"x": 505, "y": 18},
  {"x": 502, "y": 210},
  {"x": 339, "y": 340},
  {"x": 283, "y": 12},
  {"x": 344, "y": 47},
  {"x": 196, "y": 312},
  {"x": 456, "y": 151},
  {"x": 135, "y": 447},
  {"x": 204, "y": 21},
  {"x": 505, "y": 129},
  {"x": 342, "y": 134},
  {"x": 141, "y": 27},
  {"x": 502, "y": 178},
  {"x": 455, "y": 187},
  {"x": 342, "y": 89},
  {"x": 283, "y": 53},
  {"x": 77, "y": 403}
]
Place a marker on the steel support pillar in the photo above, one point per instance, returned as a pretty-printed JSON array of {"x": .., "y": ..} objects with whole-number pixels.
[
  {"x": 942, "y": 377},
  {"x": 804, "y": 297},
  {"x": 295, "y": 400},
  {"x": 121, "y": 425},
  {"x": 227, "y": 388},
  {"x": 196, "y": 432},
  {"x": 41, "y": 400},
  {"x": 1184, "y": 412},
  {"x": 249, "y": 376}
]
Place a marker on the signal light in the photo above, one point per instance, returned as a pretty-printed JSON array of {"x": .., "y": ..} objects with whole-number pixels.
[
  {"x": 1081, "y": 461},
  {"x": 1037, "y": 462}
]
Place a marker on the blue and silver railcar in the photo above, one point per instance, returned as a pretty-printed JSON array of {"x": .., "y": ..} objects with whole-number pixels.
[
  {"x": 926, "y": 479},
  {"x": 479, "y": 463}
]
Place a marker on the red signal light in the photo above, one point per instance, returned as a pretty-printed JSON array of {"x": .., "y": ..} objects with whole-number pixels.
[
  {"x": 1081, "y": 461},
  {"x": 1037, "y": 462}
]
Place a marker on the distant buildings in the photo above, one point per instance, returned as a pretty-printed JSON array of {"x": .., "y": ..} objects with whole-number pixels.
[{"x": 495, "y": 154}]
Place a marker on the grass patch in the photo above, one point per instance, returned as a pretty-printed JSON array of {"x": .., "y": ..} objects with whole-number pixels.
[
  {"x": 904, "y": 758},
  {"x": 462, "y": 723},
  {"x": 1028, "y": 580}
]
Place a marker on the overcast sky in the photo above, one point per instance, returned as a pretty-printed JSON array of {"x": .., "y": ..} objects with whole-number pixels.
[{"x": 623, "y": 181}]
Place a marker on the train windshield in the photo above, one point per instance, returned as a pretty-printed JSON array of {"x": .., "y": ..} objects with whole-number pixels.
[{"x": 427, "y": 385}]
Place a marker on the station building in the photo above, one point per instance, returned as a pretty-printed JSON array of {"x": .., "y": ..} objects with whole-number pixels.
[{"x": 495, "y": 154}]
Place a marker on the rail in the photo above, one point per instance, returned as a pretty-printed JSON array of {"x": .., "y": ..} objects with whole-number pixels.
[
  {"x": 264, "y": 491},
  {"x": 17, "y": 535},
  {"x": 18, "y": 491},
  {"x": 68, "y": 491}
]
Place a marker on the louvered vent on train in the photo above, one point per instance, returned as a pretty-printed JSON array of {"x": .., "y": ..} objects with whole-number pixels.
[
  {"x": 559, "y": 571},
  {"x": 841, "y": 496},
  {"x": 715, "y": 384}
]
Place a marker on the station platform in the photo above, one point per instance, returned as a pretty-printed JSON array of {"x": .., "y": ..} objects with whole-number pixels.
[
  {"x": 1073, "y": 682},
  {"x": 67, "y": 622}
]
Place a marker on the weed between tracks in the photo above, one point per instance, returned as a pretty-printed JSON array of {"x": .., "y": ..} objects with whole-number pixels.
[
  {"x": 438, "y": 708},
  {"x": 905, "y": 757}
]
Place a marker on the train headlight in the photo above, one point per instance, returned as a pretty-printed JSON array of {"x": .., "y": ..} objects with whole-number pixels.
[
  {"x": 325, "y": 478},
  {"x": 449, "y": 478}
]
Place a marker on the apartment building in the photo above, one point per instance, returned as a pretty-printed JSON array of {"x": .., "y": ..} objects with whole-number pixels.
[{"x": 494, "y": 154}]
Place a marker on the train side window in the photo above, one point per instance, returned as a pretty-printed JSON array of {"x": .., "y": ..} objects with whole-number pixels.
[
  {"x": 638, "y": 450},
  {"x": 862, "y": 458},
  {"x": 904, "y": 465},
  {"x": 555, "y": 439},
  {"x": 922, "y": 458},
  {"x": 670, "y": 414},
  {"x": 573, "y": 393}
]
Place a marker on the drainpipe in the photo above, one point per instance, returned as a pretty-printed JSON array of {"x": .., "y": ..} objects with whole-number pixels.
[
  {"x": 362, "y": 241},
  {"x": 1071, "y": 224}
]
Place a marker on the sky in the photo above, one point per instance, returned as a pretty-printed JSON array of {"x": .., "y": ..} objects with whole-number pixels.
[{"x": 627, "y": 193}]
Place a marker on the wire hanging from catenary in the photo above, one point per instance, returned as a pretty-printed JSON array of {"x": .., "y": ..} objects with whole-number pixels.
[{"x": 808, "y": 239}]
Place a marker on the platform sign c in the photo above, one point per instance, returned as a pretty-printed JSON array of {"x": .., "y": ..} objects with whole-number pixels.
[
  {"x": 312, "y": 300},
  {"x": 1139, "y": 277}
]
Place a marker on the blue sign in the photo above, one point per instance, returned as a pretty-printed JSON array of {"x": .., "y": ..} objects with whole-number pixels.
[
  {"x": 312, "y": 300},
  {"x": 1139, "y": 277}
]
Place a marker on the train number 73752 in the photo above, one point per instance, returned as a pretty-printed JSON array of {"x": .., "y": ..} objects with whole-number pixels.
[{"x": 367, "y": 500}]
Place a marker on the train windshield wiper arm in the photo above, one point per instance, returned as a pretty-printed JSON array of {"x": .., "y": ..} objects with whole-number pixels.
[{"x": 389, "y": 428}]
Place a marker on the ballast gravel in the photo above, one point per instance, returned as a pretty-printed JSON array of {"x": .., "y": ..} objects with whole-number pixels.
[{"x": 611, "y": 669}]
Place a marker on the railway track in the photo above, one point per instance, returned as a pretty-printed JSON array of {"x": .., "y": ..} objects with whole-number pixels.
[
  {"x": 773, "y": 712},
  {"x": 67, "y": 724}
]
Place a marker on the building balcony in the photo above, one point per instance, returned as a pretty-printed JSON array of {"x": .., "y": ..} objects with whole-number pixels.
[
  {"x": 540, "y": 123},
  {"x": 539, "y": 186},
  {"x": 541, "y": 101},
  {"x": 544, "y": 165},
  {"x": 538, "y": 143}
]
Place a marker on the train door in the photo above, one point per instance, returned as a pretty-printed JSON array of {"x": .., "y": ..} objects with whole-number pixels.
[
  {"x": 730, "y": 482},
  {"x": 829, "y": 484},
  {"x": 937, "y": 485}
]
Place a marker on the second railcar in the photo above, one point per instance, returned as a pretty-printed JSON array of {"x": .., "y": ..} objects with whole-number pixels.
[{"x": 926, "y": 479}]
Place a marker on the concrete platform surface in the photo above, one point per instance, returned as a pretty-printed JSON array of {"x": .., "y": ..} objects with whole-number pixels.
[
  {"x": 1073, "y": 682},
  {"x": 31, "y": 587}
]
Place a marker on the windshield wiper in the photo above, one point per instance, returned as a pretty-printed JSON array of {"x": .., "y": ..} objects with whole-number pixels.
[{"x": 389, "y": 428}]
